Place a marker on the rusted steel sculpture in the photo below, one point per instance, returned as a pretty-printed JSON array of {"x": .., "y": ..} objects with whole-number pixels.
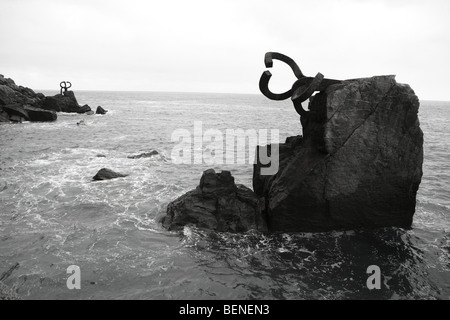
[
  {"x": 301, "y": 90},
  {"x": 64, "y": 86}
]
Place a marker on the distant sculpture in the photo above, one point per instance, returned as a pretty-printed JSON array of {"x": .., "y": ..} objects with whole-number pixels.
[
  {"x": 64, "y": 86},
  {"x": 301, "y": 90}
]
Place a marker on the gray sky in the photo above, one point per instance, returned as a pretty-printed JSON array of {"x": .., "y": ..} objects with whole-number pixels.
[{"x": 219, "y": 46}]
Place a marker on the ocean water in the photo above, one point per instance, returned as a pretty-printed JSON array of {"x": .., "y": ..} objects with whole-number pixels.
[{"x": 52, "y": 215}]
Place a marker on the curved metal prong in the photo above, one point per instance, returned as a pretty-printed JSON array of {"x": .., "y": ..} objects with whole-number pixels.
[
  {"x": 304, "y": 92},
  {"x": 268, "y": 61},
  {"x": 264, "y": 88},
  {"x": 70, "y": 85}
]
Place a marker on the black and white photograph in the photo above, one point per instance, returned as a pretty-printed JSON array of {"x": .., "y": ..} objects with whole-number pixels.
[{"x": 224, "y": 156}]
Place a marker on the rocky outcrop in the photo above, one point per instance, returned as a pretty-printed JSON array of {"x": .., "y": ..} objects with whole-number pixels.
[
  {"x": 40, "y": 115},
  {"x": 10, "y": 93},
  {"x": 19, "y": 113},
  {"x": 100, "y": 110},
  {"x": 65, "y": 102},
  {"x": 217, "y": 204},
  {"x": 18, "y": 103},
  {"x": 107, "y": 174},
  {"x": 16, "y": 109},
  {"x": 358, "y": 164}
]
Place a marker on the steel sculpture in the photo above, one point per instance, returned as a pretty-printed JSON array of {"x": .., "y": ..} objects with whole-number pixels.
[
  {"x": 64, "y": 86},
  {"x": 301, "y": 90}
]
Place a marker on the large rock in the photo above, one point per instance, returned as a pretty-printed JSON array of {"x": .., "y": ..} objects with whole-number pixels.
[
  {"x": 7, "y": 95},
  {"x": 84, "y": 109},
  {"x": 100, "y": 110},
  {"x": 359, "y": 163},
  {"x": 107, "y": 174},
  {"x": 18, "y": 113},
  {"x": 62, "y": 103},
  {"x": 10, "y": 93},
  {"x": 37, "y": 114},
  {"x": 65, "y": 102},
  {"x": 16, "y": 110},
  {"x": 217, "y": 204},
  {"x": 4, "y": 117}
]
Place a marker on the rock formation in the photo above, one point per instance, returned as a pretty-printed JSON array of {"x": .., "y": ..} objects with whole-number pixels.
[
  {"x": 18, "y": 103},
  {"x": 107, "y": 174},
  {"x": 358, "y": 164},
  {"x": 100, "y": 110},
  {"x": 65, "y": 102},
  {"x": 217, "y": 204},
  {"x": 41, "y": 115}
]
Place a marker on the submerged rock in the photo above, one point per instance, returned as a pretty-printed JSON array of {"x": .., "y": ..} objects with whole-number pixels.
[
  {"x": 107, "y": 174},
  {"x": 144, "y": 155},
  {"x": 217, "y": 204},
  {"x": 359, "y": 163}
]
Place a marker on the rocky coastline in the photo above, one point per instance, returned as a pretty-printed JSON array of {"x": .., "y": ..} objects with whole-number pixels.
[{"x": 18, "y": 104}]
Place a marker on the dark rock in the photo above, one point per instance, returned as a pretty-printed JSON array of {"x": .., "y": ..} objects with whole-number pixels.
[
  {"x": 61, "y": 103},
  {"x": 7, "y": 95},
  {"x": 4, "y": 117},
  {"x": 37, "y": 114},
  {"x": 8, "y": 82},
  {"x": 107, "y": 174},
  {"x": 15, "y": 118},
  {"x": 27, "y": 92},
  {"x": 144, "y": 155},
  {"x": 217, "y": 204},
  {"x": 100, "y": 110},
  {"x": 16, "y": 110},
  {"x": 10, "y": 93},
  {"x": 359, "y": 163},
  {"x": 84, "y": 109},
  {"x": 71, "y": 95},
  {"x": 90, "y": 113},
  {"x": 64, "y": 103}
]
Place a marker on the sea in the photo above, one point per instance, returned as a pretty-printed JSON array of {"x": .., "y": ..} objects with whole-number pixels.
[{"x": 53, "y": 216}]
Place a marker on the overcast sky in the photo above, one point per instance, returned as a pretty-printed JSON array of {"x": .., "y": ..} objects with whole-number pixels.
[{"x": 219, "y": 46}]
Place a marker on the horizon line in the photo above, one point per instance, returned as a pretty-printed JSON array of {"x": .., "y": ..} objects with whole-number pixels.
[
  {"x": 194, "y": 92},
  {"x": 155, "y": 91}
]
